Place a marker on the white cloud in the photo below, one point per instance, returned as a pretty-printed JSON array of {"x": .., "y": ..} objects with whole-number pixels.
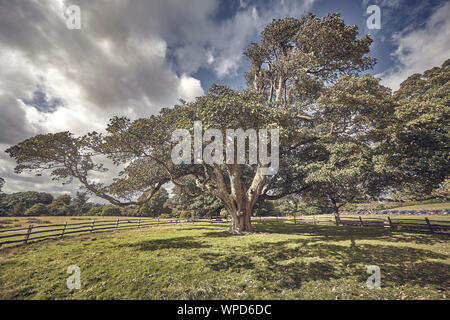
[
  {"x": 420, "y": 49},
  {"x": 221, "y": 45},
  {"x": 130, "y": 58},
  {"x": 189, "y": 88}
]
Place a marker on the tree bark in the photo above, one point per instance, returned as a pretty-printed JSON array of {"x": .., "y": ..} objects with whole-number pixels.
[
  {"x": 279, "y": 90},
  {"x": 237, "y": 201},
  {"x": 240, "y": 222},
  {"x": 336, "y": 213}
]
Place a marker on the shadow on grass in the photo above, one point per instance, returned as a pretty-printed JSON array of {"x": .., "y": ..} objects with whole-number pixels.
[
  {"x": 341, "y": 233},
  {"x": 170, "y": 243},
  {"x": 287, "y": 264},
  {"x": 232, "y": 261},
  {"x": 399, "y": 265},
  {"x": 325, "y": 253}
]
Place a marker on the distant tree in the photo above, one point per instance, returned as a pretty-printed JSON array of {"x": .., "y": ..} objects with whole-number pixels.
[
  {"x": 289, "y": 205},
  {"x": 265, "y": 208},
  {"x": 156, "y": 206},
  {"x": 18, "y": 209},
  {"x": 110, "y": 210},
  {"x": 61, "y": 206},
  {"x": 17, "y": 203},
  {"x": 80, "y": 203},
  {"x": 64, "y": 199},
  {"x": 96, "y": 210},
  {"x": 39, "y": 209},
  {"x": 44, "y": 198},
  {"x": 202, "y": 204},
  {"x": 128, "y": 211},
  {"x": 2, "y": 182}
]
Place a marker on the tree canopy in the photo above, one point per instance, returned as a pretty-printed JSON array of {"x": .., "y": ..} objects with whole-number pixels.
[
  {"x": 420, "y": 132},
  {"x": 336, "y": 130}
]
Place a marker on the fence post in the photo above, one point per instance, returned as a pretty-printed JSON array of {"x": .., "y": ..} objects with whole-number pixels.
[
  {"x": 117, "y": 224},
  {"x": 360, "y": 219},
  {"x": 295, "y": 221},
  {"x": 64, "y": 229},
  {"x": 337, "y": 220},
  {"x": 92, "y": 225},
  {"x": 390, "y": 223},
  {"x": 157, "y": 221},
  {"x": 27, "y": 236},
  {"x": 139, "y": 223},
  {"x": 314, "y": 220},
  {"x": 429, "y": 224}
]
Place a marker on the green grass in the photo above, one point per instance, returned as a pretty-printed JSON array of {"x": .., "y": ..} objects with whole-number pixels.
[
  {"x": 427, "y": 206},
  {"x": 196, "y": 261}
]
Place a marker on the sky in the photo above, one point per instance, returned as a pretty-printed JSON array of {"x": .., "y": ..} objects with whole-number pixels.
[{"x": 133, "y": 57}]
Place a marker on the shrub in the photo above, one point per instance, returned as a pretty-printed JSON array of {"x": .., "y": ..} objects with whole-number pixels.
[
  {"x": 95, "y": 211},
  {"x": 39, "y": 209},
  {"x": 184, "y": 214},
  {"x": 111, "y": 210}
]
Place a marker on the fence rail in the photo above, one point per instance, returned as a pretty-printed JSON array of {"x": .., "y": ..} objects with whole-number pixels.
[
  {"x": 27, "y": 234},
  {"x": 412, "y": 225}
]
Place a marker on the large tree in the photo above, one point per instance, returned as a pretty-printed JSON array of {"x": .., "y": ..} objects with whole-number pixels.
[
  {"x": 419, "y": 134},
  {"x": 295, "y": 60},
  {"x": 350, "y": 165}
]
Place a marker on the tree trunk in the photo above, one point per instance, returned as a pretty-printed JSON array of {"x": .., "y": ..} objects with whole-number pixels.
[
  {"x": 279, "y": 89},
  {"x": 240, "y": 222},
  {"x": 336, "y": 214}
]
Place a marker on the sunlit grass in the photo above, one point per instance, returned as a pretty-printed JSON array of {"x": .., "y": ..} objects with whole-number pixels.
[{"x": 195, "y": 261}]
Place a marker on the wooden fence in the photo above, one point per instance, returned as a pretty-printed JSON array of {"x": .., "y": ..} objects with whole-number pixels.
[
  {"x": 424, "y": 225},
  {"x": 30, "y": 233}
]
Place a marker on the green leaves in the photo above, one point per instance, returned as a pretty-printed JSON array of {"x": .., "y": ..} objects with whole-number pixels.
[
  {"x": 296, "y": 57},
  {"x": 356, "y": 106},
  {"x": 420, "y": 132}
]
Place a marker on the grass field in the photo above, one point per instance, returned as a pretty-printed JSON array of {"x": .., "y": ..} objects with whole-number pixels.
[
  {"x": 197, "y": 261},
  {"x": 427, "y": 206},
  {"x": 413, "y": 205}
]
